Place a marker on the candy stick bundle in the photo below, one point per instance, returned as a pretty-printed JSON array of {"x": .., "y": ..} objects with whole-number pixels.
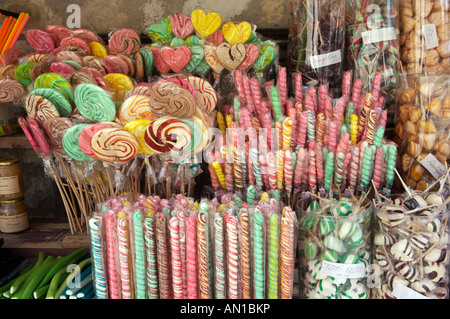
[
  {"x": 153, "y": 248},
  {"x": 307, "y": 142}
]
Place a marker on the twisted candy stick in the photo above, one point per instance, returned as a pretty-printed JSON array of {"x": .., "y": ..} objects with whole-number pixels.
[
  {"x": 229, "y": 180},
  {"x": 191, "y": 256},
  {"x": 110, "y": 225},
  {"x": 220, "y": 176},
  {"x": 214, "y": 178},
  {"x": 300, "y": 167},
  {"x": 320, "y": 127},
  {"x": 245, "y": 254},
  {"x": 258, "y": 255},
  {"x": 298, "y": 93},
  {"x": 378, "y": 167},
  {"x": 292, "y": 114},
  {"x": 346, "y": 85},
  {"x": 254, "y": 155},
  {"x": 312, "y": 170},
  {"x": 219, "y": 258},
  {"x": 124, "y": 255},
  {"x": 177, "y": 281},
  {"x": 257, "y": 98},
  {"x": 282, "y": 86},
  {"x": 239, "y": 86},
  {"x": 329, "y": 169},
  {"x": 323, "y": 95},
  {"x": 287, "y": 253},
  {"x": 353, "y": 172},
  {"x": 318, "y": 151},
  {"x": 248, "y": 95},
  {"x": 272, "y": 170},
  {"x": 302, "y": 129},
  {"x": 237, "y": 170},
  {"x": 390, "y": 167},
  {"x": 339, "y": 169},
  {"x": 280, "y": 168},
  {"x": 273, "y": 261},
  {"x": 150, "y": 247},
  {"x": 310, "y": 127},
  {"x": 276, "y": 103},
  {"x": 203, "y": 255},
  {"x": 366, "y": 168},
  {"x": 165, "y": 290},
  {"x": 357, "y": 86},
  {"x": 287, "y": 133},
  {"x": 139, "y": 256},
  {"x": 288, "y": 171},
  {"x": 101, "y": 288},
  {"x": 233, "y": 257},
  {"x": 354, "y": 128}
]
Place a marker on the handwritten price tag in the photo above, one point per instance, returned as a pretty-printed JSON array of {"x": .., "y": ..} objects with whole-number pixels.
[
  {"x": 378, "y": 35},
  {"x": 323, "y": 60},
  {"x": 349, "y": 271},
  {"x": 430, "y": 35},
  {"x": 433, "y": 166}
]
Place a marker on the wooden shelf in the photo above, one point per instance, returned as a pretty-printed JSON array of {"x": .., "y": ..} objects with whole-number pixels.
[
  {"x": 18, "y": 140},
  {"x": 51, "y": 236}
]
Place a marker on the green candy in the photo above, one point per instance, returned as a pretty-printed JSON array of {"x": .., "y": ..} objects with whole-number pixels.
[
  {"x": 197, "y": 55},
  {"x": 22, "y": 73},
  {"x": 392, "y": 158},
  {"x": 176, "y": 42},
  {"x": 94, "y": 103},
  {"x": 55, "y": 81},
  {"x": 348, "y": 113},
  {"x": 74, "y": 64},
  {"x": 276, "y": 103},
  {"x": 346, "y": 229},
  {"x": 334, "y": 243},
  {"x": 149, "y": 61},
  {"x": 59, "y": 101},
  {"x": 160, "y": 32},
  {"x": 313, "y": 206},
  {"x": 251, "y": 194},
  {"x": 378, "y": 139},
  {"x": 356, "y": 239},
  {"x": 266, "y": 57},
  {"x": 326, "y": 226},
  {"x": 203, "y": 67},
  {"x": 329, "y": 168},
  {"x": 331, "y": 256},
  {"x": 308, "y": 222},
  {"x": 70, "y": 142},
  {"x": 342, "y": 209},
  {"x": 192, "y": 41},
  {"x": 311, "y": 249},
  {"x": 236, "y": 107},
  {"x": 349, "y": 258},
  {"x": 254, "y": 39},
  {"x": 366, "y": 168}
]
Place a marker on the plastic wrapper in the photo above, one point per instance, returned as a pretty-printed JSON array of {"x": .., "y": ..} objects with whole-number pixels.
[
  {"x": 317, "y": 38},
  {"x": 334, "y": 247},
  {"x": 411, "y": 247},
  {"x": 424, "y": 39},
  {"x": 258, "y": 241},
  {"x": 373, "y": 44},
  {"x": 422, "y": 129},
  {"x": 98, "y": 256}
]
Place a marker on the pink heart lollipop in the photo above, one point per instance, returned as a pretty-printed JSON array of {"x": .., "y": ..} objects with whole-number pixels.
[
  {"x": 176, "y": 59},
  {"x": 182, "y": 27},
  {"x": 216, "y": 38},
  {"x": 39, "y": 137},
  {"x": 251, "y": 55},
  {"x": 159, "y": 62},
  {"x": 24, "y": 125}
]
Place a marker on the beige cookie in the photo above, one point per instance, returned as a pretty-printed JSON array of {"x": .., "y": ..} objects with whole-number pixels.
[
  {"x": 437, "y": 18},
  {"x": 408, "y": 24},
  {"x": 431, "y": 58},
  {"x": 444, "y": 49}
]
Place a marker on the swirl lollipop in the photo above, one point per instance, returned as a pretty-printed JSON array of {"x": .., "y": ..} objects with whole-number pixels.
[
  {"x": 114, "y": 145},
  {"x": 94, "y": 103},
  {"x": 70, "y": 142},
  {"x": 138, "y": 129},
  {"x": 57, "y": 98},
  {"x": 55, "y": 81},
  {"x": 55, "y": 128},
  {"x": 38, "y": 107},
  {"x": 168, "y": 98},
  {"x": 134, "y": 108},
  {"x": 11, "y": 91},
  {"x": 124, "y": 41}
]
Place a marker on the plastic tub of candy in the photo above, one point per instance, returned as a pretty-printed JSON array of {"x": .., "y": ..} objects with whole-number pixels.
[
  {"x": 422, "y": 122},
  {"x": 410, "y": 250},
  {"x": 334, "y": 247}
]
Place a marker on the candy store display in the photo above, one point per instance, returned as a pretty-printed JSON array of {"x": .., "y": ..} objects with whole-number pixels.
[
  {"x": 422, "y": 129},
  {"x": 372, "y": 32},
  {"x": 317, "y": 39},
  {"x": 301, "y": 141},
  {"x": 224, "y": 248},
  {"x": 52, "y": 277},
  {"x": 424, "y": 38},
  {"x": 411, "y": 244},
  {"x": 334, "y": 247}
]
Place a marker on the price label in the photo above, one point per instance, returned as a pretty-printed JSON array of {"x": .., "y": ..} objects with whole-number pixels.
[
  {"x": 378, "y": 35},
  {"x": 402, "y": 292},
  {"x": 430, "y": 35},
  {"x": 433, "y": 166},
  {"x": 349, "y": 271},
  {"x": 323, "y": 60}
]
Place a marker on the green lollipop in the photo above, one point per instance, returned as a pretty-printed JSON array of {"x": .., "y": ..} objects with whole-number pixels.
[
  {"x": 57, "y": 98},
  {"x": 276, "y": 103},
  {"x": 94, "y": 103},
  {"x": 329, "y": 169},
  {"x": 197, "y": 55},
  {"x": 70, "y": 142},
  {"x": 22, "y": 73},
  {"x": 149, "y": 61},
  {"x": 392, "y": 158},
  {"x": 265, "y": 58},
  {"x": 160, "y": 32},
  {"x": 55, "y": 81},
  {"x": 366, "y": 168}
]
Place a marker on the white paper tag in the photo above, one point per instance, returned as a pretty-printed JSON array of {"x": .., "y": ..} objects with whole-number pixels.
[
  {"x": 402, "y": 292},
  {"x": 430, "y": 35},
  {"x": 349, "y": 271},
  {"x": 378, "y": 35},
  {"x": 433, "y": 166},
  {"x": 323, "y": 60}
]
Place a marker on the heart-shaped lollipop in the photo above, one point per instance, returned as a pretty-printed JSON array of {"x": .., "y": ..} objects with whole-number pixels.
[
  {"x": 197, "y": 55},
  {"x": 211, "y": 59},
  {"x": 265, "y": 58},
  {"x": 160, "y": 32},
  {"x": 181, "y": 26},
  {"x": 205, "y": 24},
  {"x": 230, "y": 56},
  {"x": 176, "y": 59},
  {"x": 158, "y": 61},
  {"x": 252, "y": 52},
  {"x": 237, "y": 33}
]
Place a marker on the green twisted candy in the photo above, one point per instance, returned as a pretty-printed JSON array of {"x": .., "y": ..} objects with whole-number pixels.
[
  {"x": 390, "y": 169},
  {"x": 329, "y": 169},
  {"x": 149, "y": 61},
  {"x": 197, "y": 55},
  {"x": 276, "y": 103},
  {"x": 258, "y": 255},
  {"x": 273, "y": 265},
  {"x": 251, "y": 194},
  {"x": 150, "y": 248},
  {"x": 366, "y": 168},
  {"x": 139, "y": 253}
]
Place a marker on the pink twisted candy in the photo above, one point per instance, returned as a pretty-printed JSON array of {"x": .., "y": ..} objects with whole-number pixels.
[
  {"x": 240, "y": 86},
  {"x": 323, "y": 96},
  {"x": 312, "y": 168},
  {"x": 346, "y": 85},
  {"x": 357, "y": 86},
  {"x": 191, "y": 256},
  {"x": 302, "y": 129},
  {"x": 343, "y": 143},
  {"x": 282, "y": 87},
  {"x": 378, "y": 168},
  {"x": 292, "y": 113},
  {"x": 298, "y": 91},
  {"x": 248, "y": 95},
  {"x": 340, "y": 109},
  {"x": 177, "y": 279},
  {"x": 288, "y": 171},
  {"x": 333, "y": 133},
  {"x": 318, "y": 151},
  {"x": 328, "y": 109},
  {"x": 300, "y": 167},
  {"x": 256, "y": 92},
  {"x": 376, "y": 85},
  {"x": 354, "y": 168}
]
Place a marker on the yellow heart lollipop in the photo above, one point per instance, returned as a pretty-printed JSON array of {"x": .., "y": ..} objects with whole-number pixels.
[
  {"x": 138, "y": 128},
  {"x": 237, "y": 33},
  {"x": 205, "y": 24}
]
